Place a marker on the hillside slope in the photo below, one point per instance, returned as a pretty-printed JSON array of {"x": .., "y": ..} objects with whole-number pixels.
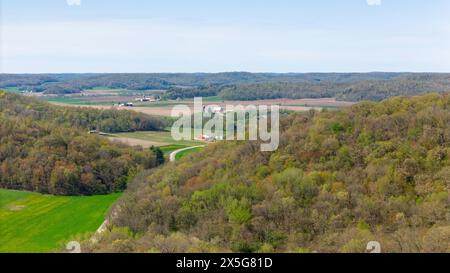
[
  {"x": 373, "y": 171},
  {"x": 47, "y": 149},
  {"x": 242, "y": 85},
  {"x": 109, "y": 121},
  {"x": 375, "y": 90}
]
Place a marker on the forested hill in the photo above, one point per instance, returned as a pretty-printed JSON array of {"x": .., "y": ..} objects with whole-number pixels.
[
  {"x": 71, "y": 83},
  {"x": 47, "y": 149},
  {"x": 373, "y": 171},
  {"x": 242, "y": 85},
  {"x": 374, "y": 90},
  {"x": 108, "y": 121}
]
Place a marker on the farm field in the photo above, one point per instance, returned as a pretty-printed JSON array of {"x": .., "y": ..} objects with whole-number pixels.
[
  {"x": 76, "y": 101},
  {"x": 171, "y": 148},
  {"x": 185, "y": 153},
  {"x": 32, "y": 222},
  {"x": 152, "y": 138},
  {"x": 105, "y": 99},
  {"x": 12, "y": 89},
  {"x": 100, "y": 96}
]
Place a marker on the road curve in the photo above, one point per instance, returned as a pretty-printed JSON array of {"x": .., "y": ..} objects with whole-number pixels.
[{"x": 173, "y": 155}]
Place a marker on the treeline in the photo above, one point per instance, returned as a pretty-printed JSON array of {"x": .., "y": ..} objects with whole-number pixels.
[
  {"x": 370, "y": 172},
  {"x": 275, "y": 90},
  {"x": 43, "y": 152},
  {"x": 349, "y": 88},
  {"x": 109, "y": 121},
  {"x": 241, "y": 85},
  {"x": 73, "y": 83},
  {"x": 346, "y": 91},
  {"x": 174, "y": 93}
]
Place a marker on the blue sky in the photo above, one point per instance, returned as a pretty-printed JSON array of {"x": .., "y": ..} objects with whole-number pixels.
[{"x": 51, "y": 36}]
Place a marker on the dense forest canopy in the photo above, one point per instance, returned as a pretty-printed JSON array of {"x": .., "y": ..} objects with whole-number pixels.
[
  {"x": 47, "y": 149},
  {"x": 139, "y": 81},
  {"x": 340, "y": 86},
  {"x": 242, "y": 85},
  {"x": 348, "y": 91},
  {"x": 109, "y": 121},
  {"x": 373, "y": 171},
  {"x": 70, "y": 83}
]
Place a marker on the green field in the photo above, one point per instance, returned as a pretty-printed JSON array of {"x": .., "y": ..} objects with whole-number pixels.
[
  {"x": 113, "y": 97},
  {"x": 163, "y": 137},
  {"x": 314, "y": 106},
  {"x": 182, "y": 154},
  {"x": 119, "y": 91},
  {"x": 31, "y": 222},
  {"x": 108, "y": 101},
  {"x": 12, "y": 89},
  {"x": 171, "y": 148},
  {"x": 213, "y": 99},
  {"x": 77, "y": 101},
  {"x": 157, "y": 104},
  {"x": 104, "y": 88}
]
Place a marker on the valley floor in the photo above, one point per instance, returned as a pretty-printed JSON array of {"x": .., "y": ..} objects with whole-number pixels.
[{"x": 164, "y": 108}]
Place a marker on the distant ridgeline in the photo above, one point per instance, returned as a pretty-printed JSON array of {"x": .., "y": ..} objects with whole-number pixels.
[
  {"x": 369, "y": 172},
  {"x": 47, "y": 149},
  {"x": 242, "y": 85}
]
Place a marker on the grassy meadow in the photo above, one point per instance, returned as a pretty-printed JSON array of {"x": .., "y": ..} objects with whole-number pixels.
[
  {"x": 185, "y": 153},
  {"x": 32, "y": 222},
  {"x": 163, "y": 138}
]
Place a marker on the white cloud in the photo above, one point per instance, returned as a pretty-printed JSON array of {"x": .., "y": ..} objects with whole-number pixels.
[
  {"x": 374, "y": 2},
  {"x": 73, "y": 2}
]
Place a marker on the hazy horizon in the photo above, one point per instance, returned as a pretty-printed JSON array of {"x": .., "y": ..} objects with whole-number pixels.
[{"x": 222, "y": 72}]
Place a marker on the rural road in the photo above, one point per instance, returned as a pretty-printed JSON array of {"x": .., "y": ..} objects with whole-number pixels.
[
  {"x": 104, "y": 225},
  {"x": 173, "y": 155}
]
